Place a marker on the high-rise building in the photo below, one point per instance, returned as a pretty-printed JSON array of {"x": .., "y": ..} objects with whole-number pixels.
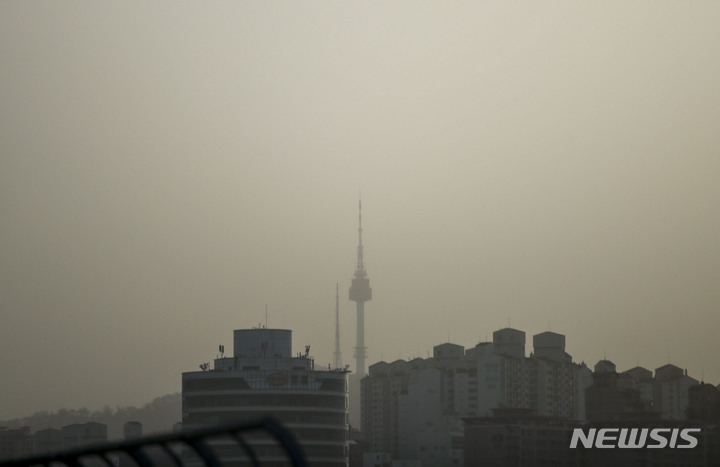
[
  {"x": 413, "y": 410},
  {"x": 704, "y": 403},
  {"x": 641, "y": 379},
  {"x": 263, "y": 378},
  {"x": 636, "y": 394},
  {"x": 610, "y": 398},
  {"x": 670, "y": 392}
]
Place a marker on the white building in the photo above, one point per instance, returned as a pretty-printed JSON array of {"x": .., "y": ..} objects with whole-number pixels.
[
  {"x": 262, "y": 378},
  {"x": 413, "y": 410}
]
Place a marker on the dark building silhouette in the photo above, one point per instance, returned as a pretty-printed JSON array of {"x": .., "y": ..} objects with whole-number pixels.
[
  {"x": 607, "y": 399},
  {"x": 704, "y": 403},
  {"x": 705, "y": 454},
  {"x": 517, "y": 437},
  {"x": 48, "y": 440},
  {"x": 15, "y": 442},
  {"x": 132, "y": 430},
  {"x": 70, "y": 436},
  {"x": 641, "y": 379},
  {"x": 670, "y": 391},
  {"x": 357, "y": 448}
]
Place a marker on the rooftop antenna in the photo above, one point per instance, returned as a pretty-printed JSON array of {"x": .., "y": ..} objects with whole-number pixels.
[
  {"x": 338, "y": 357},
  {"x": 266, "y": 316}
]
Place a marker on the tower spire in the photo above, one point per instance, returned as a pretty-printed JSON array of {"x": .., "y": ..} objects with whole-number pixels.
[
  {"x": 360, "y": 271},
  {"x": 338, "y": 358}
]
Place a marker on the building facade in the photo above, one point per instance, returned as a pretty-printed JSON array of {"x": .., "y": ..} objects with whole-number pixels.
[
  {"x": 517, "y": 437},
  {"x": 413, "y": 409},
  {"x": 263, "y": 378},
  {"x": 670, "y": 392}
]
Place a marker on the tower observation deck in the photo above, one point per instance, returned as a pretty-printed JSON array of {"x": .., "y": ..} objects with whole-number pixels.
[{"x": 360, "y": 292}]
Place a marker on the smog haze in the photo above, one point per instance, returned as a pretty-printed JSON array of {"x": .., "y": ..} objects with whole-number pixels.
[{"x": 170, "y": 170}]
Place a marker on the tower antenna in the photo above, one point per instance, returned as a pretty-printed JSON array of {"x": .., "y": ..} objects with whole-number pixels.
[
  {"x": 338, "y": 358},
  {"x": 360, "y": 292},
  {"x": 360, "y": 261}
]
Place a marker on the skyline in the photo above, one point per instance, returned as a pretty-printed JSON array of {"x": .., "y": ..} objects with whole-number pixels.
[
  {"x": 529, "y": 344},
  {"x": 168, "y": 171}
]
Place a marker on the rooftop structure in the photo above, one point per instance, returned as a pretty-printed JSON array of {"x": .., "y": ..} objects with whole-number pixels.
[{"x": 263, "y": 378}]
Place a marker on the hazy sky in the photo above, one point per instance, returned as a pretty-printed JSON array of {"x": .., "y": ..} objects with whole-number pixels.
[{"x": 168, "y": 169}]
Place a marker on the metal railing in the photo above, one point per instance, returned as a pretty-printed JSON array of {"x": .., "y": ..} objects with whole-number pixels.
[{"x": 197, "y": 440}]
